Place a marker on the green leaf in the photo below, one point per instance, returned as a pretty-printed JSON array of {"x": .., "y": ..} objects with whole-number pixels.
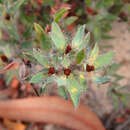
[
  {"x": 16, "y": 5},
  {"x": 88, "y": 2},
  {"x": 125, "y": 98},
  {"x": 43, "y": 38},
  {"x": 59, "y": 14},
  {"x": 43, "y": 89},
  {"x": 68, "y": 21},
  {"x": 94, "y": 54},
  {"x": 101, "y": 80},
  {"x": 63, "y": 92},
  {"x": 66, "y": 61},
  {"x": 57, "y": 37},
  {"x": 85, "y": 41},
  {"x": 39, "y": 30},
  {"x": 87, "y": 37},
  {"x": 40, "y": 58},
  {"x": 74, "y": 91},
  {"x": 82, "y": 80},
  {"x": 78, "y": 38},
  {"x": 103, "y": 60},
  {"x": 80, "y": 56},
  {"x": 61, "y": 81},
  {"x": 115, "y": 100},
  {"x": 38, "y": 77}
]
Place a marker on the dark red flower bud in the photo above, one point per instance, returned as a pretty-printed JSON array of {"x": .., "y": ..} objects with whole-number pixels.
[
  {"x": 7, "y": 17},
  {"x": 51, "y": 70},
  {"x": 89, "y": 68},
  {"x": 67, "y": 72},
  {"x": 91, "y": 11},
  {"x": 4, "y": 58},
  {"x": 68, "y": 49},
  {"x": 123, "y": 16},
  {"x": 28, "y": 63}
]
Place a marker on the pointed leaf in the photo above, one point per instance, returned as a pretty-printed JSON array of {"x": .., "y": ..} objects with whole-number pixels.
[
  {"x": 80, "y": 56},
  {"x": 74, "y": 91},
  {"x": 61, "y": 81},
  {"x": 66, "y": 61},
  {"x": 68, "y": 21},
  {"x": 93, "y": 55},
  {"x": 38, "y": 77},
  {"x": 82, "y": 80},
  {"x": 78, "y": 38},
  {"x": 103, "y": 60},
  {"x": 59, "y": 14},
  {"x": 57, "y": 36},
  {"x": 63, "y": 92},
  {"x": 43, "y": 38},
  {"x": 16, "y": 5},
  {"x": 39, "y": 30},
  {"x": 40, "y": 58},
  {"x": 101, "y": 80}
]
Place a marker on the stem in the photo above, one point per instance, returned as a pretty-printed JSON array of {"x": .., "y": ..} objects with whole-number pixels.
[{"x": 35, "y": 91}]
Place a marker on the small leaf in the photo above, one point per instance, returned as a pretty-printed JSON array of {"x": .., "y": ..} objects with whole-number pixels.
[
  {"x": 59, "y": 14},
  {"x": 11, "y": 66},
  {"x": 16, "y": 5},
  {"x": 103, "y": 60},
  {"x": 125, "y": 98},
  {"x": 38, "y": 77},
  {"x": 57, "y": 36},
  {"x": 87, "y": 37},
  {"x": 80, "y": 56},
  {"x": 74, "y": 91},
  {"x": 101, "y": 80},
  {"x": 68, "y": 21},
  {"x": 78, "y": 38},
  {"x": 61, "y": 81},
  {"x": 43, "y": 89},
  {"x": 43, "y": 38},
  {"x": 39, "y": 30},
  {"x": 40, "y": 58},
  {"x": 82, "y": 82},
  {"x": 66, "y": 61},
  {"x": 63, "y": 92},
  {"x": 93, "y": 55}
]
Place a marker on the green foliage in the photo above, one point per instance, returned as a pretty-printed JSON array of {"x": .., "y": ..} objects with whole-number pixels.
[
  {"x": 43, "y": 60},
  {"x": 74, "y": 90},
  {"x": 78, "y": 38},
  {"x": 63, "y": 92},
  {"x": 38, "y": 77},
  {"x": 101, "y": 80},
  {"x": 95, "y": 17},
  {"x": 80, "y": 56},
  {"x": 57, "y": 37},
  {"x": 103, "y": 60},
  {"x": 59, "y": 14},
  {"x": 45, "y": 41}
]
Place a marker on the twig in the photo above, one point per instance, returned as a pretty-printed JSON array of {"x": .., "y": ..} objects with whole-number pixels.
[
  {"x": 121, "y": 127},
  {"x": 35, "y": 91}
]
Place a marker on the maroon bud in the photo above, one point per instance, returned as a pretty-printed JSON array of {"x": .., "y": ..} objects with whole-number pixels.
[
  {"x": 68, "y": 49},
  {"x": 67, "y": 72},
  {"x": 7, "y": 17},
  {"x": 51, "y": 70},
  {"x": 92, "y": 68},
  {"x": 4, "y": 58},
  {"x": 28, "y": 63},
  {"x": 89, "y": 68}
]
